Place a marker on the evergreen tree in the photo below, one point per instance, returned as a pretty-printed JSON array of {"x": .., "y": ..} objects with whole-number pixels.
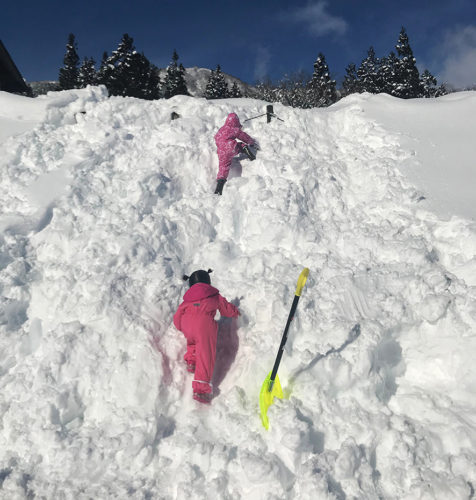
[
  {"x": 430, "y": 87},
  {"x": 127, "y": 73},
  {"x": 428, "y": 82},
  {"x": 210, "y": 88},
  {"x": 266, "y": 91},
  {"x": 442, "y": 89},
  {"x": 292, "y": 90},
  {"x": 282, "y": 92},
  {"x": 351, "y": 84},
  {"x": 388, "y": 74},
  {"x": 87, "y": 73},
  {"x": 408, "y": 83},
  {"x": 368, "y": 73},
  {"x": 321, "y": 89},
  {"x": 142, "y": 77},
  {"x": 296, "y": 95},
  {"x": 114, "y": 75},
  {"x": 235, "y": 91},
  {"x": 221, "y": 85},
  {"x": 216, "y": 86},
  {"x": 396, "y": 76},
  {"x": 101, "y": 73},
  {"x": 153, "y": 83},
  {"x": 174, "y": 82},
  {"x": 68, "y": 74}
]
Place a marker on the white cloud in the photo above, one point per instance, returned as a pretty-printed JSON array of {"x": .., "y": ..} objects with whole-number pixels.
[
  {"x": 262, "y": 60},
  {"x": 459, "y": 54},
  {"x": 317, "y": 20}
]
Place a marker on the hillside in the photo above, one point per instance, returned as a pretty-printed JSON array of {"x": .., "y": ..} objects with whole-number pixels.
[
  {"x": 106, "y": 202},
  {"x": 197, "y": 79}
]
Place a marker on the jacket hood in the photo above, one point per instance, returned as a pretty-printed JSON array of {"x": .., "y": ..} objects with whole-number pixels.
[
  {"x": 199, "y": 291},
  {"x": 232, "y": 120}
]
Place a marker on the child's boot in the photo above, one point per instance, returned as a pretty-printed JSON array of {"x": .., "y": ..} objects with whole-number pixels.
[
  {"x": 248, "y": 153},
  {"x": 220, "y": 184},
  {"x": 203, "y": 397}
]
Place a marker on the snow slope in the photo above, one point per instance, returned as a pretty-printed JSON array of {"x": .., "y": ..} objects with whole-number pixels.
[
  {"x": 19, "y": 114},
  {"x": 101, "y": 214},
  {"x": 441, "y": 137}
]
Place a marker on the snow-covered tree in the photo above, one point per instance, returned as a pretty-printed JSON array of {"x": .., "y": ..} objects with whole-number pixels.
[
  {"x": 408, "y": 83},
  {"x": 68, "y": 74},
  {"x": 111, "y": 70},
  {"x": 368, "y": 73},
  {"x": 87, "y": 73},
  {"x": 296, "y": 94},
  {"x": 266, "y": 91},
  {"x": 142, "y": 76},
  {"x": 429, "y": 83},
  {"x": 101, "y": 75},
  {"x": 430, "y": 87},
  {"x": 321, "y": 90},
  {"x": 174, "y": 81},
  {"x": 235, "y": 91},
  {"x": 388, "y": 73},
  {"x": 127, "y": 73},
  {"x": 217, "y": 87},
  {"x": 210, "y": 92},
  {"x": 350, "y": 85},
  {"x": 292, "y": 90},
  {"x": 397, "y": 76}
]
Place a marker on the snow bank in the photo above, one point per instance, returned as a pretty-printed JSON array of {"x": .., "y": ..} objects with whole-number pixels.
[
  {"x": 107, "y": 202},
  {"x": 439, "y": 134},
  {"x": 18, "y": 114}
]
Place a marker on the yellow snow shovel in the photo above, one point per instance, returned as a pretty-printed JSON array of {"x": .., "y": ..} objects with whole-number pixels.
[{"x": 271, "y": 387}]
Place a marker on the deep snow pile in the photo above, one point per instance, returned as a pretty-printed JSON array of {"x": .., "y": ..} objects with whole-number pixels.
[{"x": 101, "y": 214}]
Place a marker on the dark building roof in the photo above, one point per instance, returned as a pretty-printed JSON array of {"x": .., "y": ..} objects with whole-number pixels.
[{"x": 10, "y": 78}]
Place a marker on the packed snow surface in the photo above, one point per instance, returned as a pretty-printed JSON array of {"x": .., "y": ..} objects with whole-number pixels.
[
  {"x": 106, "y": 202},
  {"x": 440, "y": 137}
]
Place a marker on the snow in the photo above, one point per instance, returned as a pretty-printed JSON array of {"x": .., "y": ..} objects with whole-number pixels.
[
  {"x": 440, "y": 136},
  {"x": 106, "y": 202},
  {"x": 19, "y": 114}
]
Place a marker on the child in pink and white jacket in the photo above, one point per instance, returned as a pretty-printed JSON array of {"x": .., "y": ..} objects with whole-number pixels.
[
  {"x": 195, "y": 319},
  {"x": 228, "y": 147}
]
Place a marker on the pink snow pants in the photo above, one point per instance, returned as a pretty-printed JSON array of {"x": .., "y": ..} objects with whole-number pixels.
[
  {"x": 225, "y": 156},
  {"x": 201, "y": 334},
  {"x": 195, "y": 319},
  {"x": 227, "y": 147}
]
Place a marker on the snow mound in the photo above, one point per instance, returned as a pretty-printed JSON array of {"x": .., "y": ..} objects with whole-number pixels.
[{"x": 106, "y": 202}]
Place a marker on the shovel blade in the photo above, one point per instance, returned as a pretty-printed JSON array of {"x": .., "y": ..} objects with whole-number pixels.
[{"x": 266, "y": 397}]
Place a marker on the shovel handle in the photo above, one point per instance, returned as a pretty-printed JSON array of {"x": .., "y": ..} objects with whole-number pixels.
[
  {"x": 300, "y": 285},
  {"x": 302, "y": 281}
]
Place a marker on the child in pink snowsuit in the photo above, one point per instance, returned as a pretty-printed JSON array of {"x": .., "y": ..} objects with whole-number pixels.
[
  {"x": 195, "y": 319},
  {"x": 228, "y": 147}
]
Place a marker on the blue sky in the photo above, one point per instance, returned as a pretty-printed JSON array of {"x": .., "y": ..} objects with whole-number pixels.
[{"x": 249, "y": 39}]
